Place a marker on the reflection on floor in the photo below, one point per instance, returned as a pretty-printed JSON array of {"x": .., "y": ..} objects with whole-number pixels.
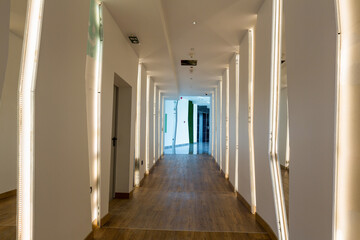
[
  {"x": 185, "y": 197},
  {"x": 195, "y": 148},
  {"x": 8, "y": 218},
  {"x": 285, "y": 180}
]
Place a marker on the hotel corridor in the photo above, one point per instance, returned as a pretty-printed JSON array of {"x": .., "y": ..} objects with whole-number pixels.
[{"x": 184, "y": 197}]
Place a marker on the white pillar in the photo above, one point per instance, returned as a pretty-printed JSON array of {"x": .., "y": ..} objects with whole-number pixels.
[{"x": 348, "y": 158}]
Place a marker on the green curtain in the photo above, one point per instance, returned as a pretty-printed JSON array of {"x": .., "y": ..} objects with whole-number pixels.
[{"x": 191, "y": 122}]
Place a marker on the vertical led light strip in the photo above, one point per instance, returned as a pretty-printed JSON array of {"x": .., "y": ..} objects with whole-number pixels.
[
  {"x": 237, "y": 99},
  {"x": 251, "y": 119},
  {"x": 147, "y": 125},
  {"x": 220, "y": 130},
  {"x": 154, "y": 126},
  {"x": 162, "y": 126},
  {"x": 347, "y": 160},
  {"x": 26, "y": 91},
  {"x": 159, "y": 124},
  {"x": 274, "y": 120},
  {"x": 137, "y": 128},
  {"x": 215, "y": 124},
  {"x": 227, "y": 124},
  {"x": 337, "y": 232},
  {"x": 98, "y": 75},
  {"x": 212, "y": 123}
]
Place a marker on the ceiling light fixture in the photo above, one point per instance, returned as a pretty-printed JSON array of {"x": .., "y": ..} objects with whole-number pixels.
[{"x": 194, "y": 22}]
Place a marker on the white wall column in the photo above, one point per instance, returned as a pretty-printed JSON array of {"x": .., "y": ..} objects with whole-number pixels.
[
  {"x": 265, "y": 206},
  {"x": 4, "y": 39},
  {"x": 61, "y": 149},
  {"x": 347, "y": 213},
  {"x": 311, "y": 74}
]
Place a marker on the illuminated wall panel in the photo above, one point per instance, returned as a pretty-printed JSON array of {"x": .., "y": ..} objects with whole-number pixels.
[
  {"x": 264, "y": 194},
  {"x": 151, "y": 124},
  {"x": 232, "y": 119},
  {"x": 311, "y": 75},
  {"x": 223, "y": 121},
  {"x": 61, "y": 157},
  {"x": 27, "y": 83},
  {"x": 93, "y": 91},
  {"x": 347, "y": 220},
  {"x": 244, "y": 159}
]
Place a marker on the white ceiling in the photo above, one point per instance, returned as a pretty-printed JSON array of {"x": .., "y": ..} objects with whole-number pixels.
[{"x": 166, "y": 32}]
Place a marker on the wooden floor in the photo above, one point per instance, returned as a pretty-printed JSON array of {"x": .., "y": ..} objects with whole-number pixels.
[
  {"x": 8, "y": 218},
  {"x": 185, "y": 197}
]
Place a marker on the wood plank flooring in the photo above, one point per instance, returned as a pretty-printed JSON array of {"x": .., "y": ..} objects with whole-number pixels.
[
  {"x": 8, "y": 218},
  {"x": 185, "y": 197}
]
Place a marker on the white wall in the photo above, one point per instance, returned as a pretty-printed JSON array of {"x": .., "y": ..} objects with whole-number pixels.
[
  {"x": 171, "y": 113},
  {"x": 211, "y": 129},
  {"x": 8, "y": 117},
  {"x": 61, "y": 148},
  {"x": 283, "y": 118},
  {"x": 220, "y": 124},
  {"x": 223, "y": 121},
  {"x": 264, "y": 192},
  {"x": 182, "y": 132},
  {"x": 195, "y": 122},
  {"x": 232, "y": 119},
  {"x": 162, "y": 123},
  {"x": 142, "y": 140},
  {"x": 4, "y": 39},
  {"x": 244, "y": 157},
  {"x": 217, "y": 117},
  {"x": 119, "y": 58},
  {"x": 311, "y": 66},
  {"x": 151, "y": 124},
  {"x": 156, "y": 110}
]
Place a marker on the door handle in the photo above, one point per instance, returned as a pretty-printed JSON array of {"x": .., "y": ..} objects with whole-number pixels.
[{"x": 114, "y": 139}]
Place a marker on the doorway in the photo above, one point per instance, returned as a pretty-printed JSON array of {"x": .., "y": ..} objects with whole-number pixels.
[
  {"x": 120, "y": 140},
  {"x": 187, "y": 125}
]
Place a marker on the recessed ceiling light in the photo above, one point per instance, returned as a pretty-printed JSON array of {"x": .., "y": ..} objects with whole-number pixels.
[{"x": 194, "y": 22}]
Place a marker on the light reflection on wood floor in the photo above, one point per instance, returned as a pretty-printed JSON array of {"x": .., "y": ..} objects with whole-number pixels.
[
  {"x": 184, "y": 198},
  {"x": 8, "y": 218}
]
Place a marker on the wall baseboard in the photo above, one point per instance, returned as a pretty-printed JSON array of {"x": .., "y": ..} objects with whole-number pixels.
[
  {"x": 143, "y": 179},
  {"x": 258, "y": 218},
  {"x": 153, "y": 167},
  {"x": 243, "y": 201},
  {"x": 283, "y": 167},
  {"x": 8, "y": 194},
  {"x": 230, "y": 184},
  {"x": 105, "y": 220},
  {"x": 94, "y": 225},
  {"x": 266, "y": 226},
  {"x": 90, "y": 236},
  {"x": 222, "y": 173},
  {"x": 119, "y": 195}
]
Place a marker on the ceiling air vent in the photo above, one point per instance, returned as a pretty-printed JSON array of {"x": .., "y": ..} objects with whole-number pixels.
[
  {"x": 134, "y": 39},
  {"x": 188, "y": 62}
]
